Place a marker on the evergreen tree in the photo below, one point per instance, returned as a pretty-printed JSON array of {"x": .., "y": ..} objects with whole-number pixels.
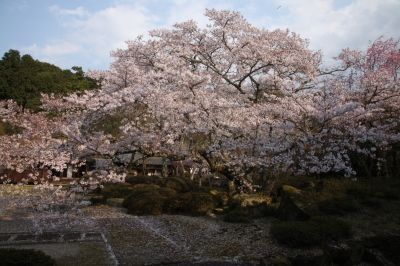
[{"x": 24, "y": 79}]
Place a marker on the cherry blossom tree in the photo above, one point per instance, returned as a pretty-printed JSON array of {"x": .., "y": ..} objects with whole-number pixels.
[
  {"x": 205, "y": 88},
  {"x": 374, "y": 83},
  {"x": 36, "y": 145},
  {"x": 244, "y": 102}
]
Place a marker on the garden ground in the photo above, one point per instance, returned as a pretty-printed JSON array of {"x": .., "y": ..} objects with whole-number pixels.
[{"x": 106, "y": 235}]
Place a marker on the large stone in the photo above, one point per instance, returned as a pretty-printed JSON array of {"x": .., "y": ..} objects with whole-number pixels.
[{"x": 294, "y": 206}]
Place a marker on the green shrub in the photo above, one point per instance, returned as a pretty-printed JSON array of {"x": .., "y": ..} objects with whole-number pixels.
[
  {"x": 148, "y": 200},
  {"x": 314, "y": 232},
  {"x": 26, "y": 257},
  {"x": 149, "y": 204},
  {"x": 237, "y": 216},
  {"x": 195, "y": 203},
  {"x": 180, "y": 185},
  {"x": 146, "y": 186},
  {"x": 166, "y": 192},
  {"x": 134, "y": 196},
  {"x": 148, "y": 190},
  {"x": 117, "y": 190}
]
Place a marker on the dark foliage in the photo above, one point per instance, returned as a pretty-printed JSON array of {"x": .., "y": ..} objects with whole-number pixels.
[
  {"x": 117, "y": 190},
  {"x": 180, "y": 185},
  {"x": 314, "y": 232},
  {"x": 23, "y": 79},
  {"x": 24, "y": 257}
]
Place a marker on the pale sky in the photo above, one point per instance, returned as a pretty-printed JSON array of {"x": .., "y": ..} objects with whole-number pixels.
[{"x": 70, "y": 33}]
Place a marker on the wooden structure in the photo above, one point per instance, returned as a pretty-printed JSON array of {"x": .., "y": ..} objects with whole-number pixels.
[
  {"x": 140, "y": 164},
  {"x": 42, "y": 175}
]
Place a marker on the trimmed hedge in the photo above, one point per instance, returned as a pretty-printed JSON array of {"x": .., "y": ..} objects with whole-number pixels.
[{"x": 195, "y": 203}]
